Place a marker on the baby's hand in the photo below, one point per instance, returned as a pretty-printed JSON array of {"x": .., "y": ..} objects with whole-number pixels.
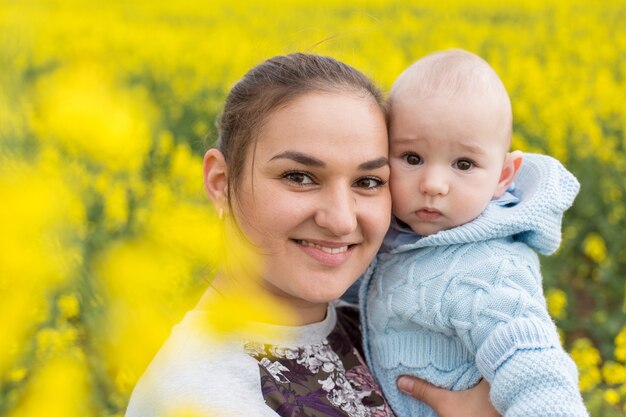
[{"x": 467, "y": 403}]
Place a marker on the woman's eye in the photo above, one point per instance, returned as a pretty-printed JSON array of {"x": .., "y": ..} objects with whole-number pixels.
[
  {"x": 369, "y": 182},
  {"x": 464, "y": 164},
  {"x": 298, "y": 178},
  {"x": 412, "y": 159}
]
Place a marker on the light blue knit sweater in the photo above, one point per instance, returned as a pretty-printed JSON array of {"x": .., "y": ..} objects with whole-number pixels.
[{"x": 467, "y": 303}]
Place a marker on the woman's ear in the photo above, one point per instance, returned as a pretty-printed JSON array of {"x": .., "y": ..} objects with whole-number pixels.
[
  {"x": 512, "y": 164},
  {"x": 216, "y": 179}
]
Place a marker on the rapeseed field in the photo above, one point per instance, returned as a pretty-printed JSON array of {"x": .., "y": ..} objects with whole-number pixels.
[{"x": 107, "y": 237}]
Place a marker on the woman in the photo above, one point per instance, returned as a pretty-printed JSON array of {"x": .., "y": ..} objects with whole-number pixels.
[{"x": 301, "y": 169}]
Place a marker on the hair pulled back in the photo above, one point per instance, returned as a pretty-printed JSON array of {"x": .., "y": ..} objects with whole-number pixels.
[{"x": 274, "y": 84}]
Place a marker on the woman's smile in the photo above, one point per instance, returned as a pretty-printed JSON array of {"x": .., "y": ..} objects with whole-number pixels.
[{"x": 327, "y": 253}]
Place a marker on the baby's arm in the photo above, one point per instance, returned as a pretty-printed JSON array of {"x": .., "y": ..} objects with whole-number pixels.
[
  {"x": 541, "y": 382},
  {"x": 498, "y": 310}
]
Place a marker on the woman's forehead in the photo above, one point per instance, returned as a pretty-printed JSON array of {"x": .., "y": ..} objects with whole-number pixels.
[{"x": 327, "y": 125}]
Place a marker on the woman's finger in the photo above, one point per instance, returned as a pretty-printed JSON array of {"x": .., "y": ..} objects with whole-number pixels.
[
  {"x": 473, "y": 402},
  {"x": 421, "y": 390}
]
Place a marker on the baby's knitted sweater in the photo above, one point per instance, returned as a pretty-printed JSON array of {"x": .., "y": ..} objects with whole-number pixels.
[{"x": 467, "y": 303}]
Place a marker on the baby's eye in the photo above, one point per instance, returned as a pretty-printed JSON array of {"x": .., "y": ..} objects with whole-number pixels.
[
  {"x": 369, "y": 182},
  {"x": 298, "y": 178},
  {"x": 464, "y": 164},
  {"x": 413, "y": 159}
]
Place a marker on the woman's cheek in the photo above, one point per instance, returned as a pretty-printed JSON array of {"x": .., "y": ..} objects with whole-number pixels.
[{"x": 378, "y": 212}]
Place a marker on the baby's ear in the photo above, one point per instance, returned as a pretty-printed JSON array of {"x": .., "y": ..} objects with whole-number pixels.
[{"x": 512, "y": 164}]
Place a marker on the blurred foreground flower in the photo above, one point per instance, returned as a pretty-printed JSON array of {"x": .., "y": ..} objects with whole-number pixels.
[
  {"x": 59, "y": 388},
  {"x": 42, "y": 223},
  {"x": 90, "y": 118},
  {"x": 151, "y": 280}
]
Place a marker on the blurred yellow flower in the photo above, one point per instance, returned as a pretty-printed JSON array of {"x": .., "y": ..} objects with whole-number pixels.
[
  {"x": 165, "y": 143},
  {"x": 69, "y": 306},
  {"x": 18, "y": 374},
  {"x": 594, "y": 247},
  {"x": 587, "y": 359},
  {"x": 59, "y": 388},
  {"x": 584, "y": 353},
  {"x": 244, "y": 313},
  {"x": 186, "y": 170},
  {"x": 83, "y": 110},
  {"x": 149, "y": 284},
  {"x": 557, "y": 303},
  {"x": 620, "y": 345},
  {"x": 116, "y": 206},
  {"x": 588, "y": 379},
  {"x": 611, "y": 396},
  {"x": 125, "y": 380},
  {"x": 614, "y": 373},
  {"x": 51, "y": 341},
  {"x": 192, "y": 231},
  {"x": 42, "y": 222}
]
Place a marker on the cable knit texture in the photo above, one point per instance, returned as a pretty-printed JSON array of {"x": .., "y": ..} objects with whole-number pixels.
[{"x": 468, "y": 303}]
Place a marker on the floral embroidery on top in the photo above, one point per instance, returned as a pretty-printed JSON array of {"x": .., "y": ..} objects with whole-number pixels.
[
  {"x": 363, "y": 380},
  {"x": 327, "y": 379},
  {"x": 321, "y": 361}
]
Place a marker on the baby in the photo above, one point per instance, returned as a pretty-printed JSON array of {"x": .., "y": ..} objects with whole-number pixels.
[{"x": 455, "y": 295}]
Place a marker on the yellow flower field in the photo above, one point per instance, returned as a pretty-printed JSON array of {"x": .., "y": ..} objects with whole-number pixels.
[{"x": 107, "y": 238}]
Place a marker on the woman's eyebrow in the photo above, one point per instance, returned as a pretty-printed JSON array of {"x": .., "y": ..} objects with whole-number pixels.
[
  {"x": 300, "y": 158},
  {"x": 305, "y": 159},
  {"x": 374, "y": 164}
]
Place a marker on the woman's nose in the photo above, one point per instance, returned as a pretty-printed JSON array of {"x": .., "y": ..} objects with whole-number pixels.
[
  {"x": 337, "y": 211},
  {"x": 433, "y": 182}
]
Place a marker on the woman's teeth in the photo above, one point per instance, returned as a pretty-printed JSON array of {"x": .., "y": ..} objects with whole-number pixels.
[{"x": 324, "y": 248}]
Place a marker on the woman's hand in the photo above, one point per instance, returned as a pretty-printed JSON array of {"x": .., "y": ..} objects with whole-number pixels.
[{"x": 467, "y": 403}]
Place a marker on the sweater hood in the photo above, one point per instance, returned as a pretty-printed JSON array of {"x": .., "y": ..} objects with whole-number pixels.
[{"x": 544, "y": 189}]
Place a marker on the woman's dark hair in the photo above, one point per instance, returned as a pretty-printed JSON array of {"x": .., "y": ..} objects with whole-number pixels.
[{"x": 274, "y": 84}]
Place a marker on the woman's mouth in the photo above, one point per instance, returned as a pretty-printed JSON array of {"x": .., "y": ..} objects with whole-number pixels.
[
  {"x": 331, "y": 250},
  {"x": 327, "y": 253}
]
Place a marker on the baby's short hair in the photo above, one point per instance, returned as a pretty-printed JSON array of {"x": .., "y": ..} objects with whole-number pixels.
[
  {"x": 450, "y": 72},
  {"x": 453, "y": 73}
]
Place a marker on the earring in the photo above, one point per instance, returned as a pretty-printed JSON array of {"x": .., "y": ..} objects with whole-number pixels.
[{"x": 220, "y": 213}]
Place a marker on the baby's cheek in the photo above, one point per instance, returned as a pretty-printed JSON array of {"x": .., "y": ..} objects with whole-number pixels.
[
  {"x": 398, "y": 190},
  {"x": 399, "y": 201}
]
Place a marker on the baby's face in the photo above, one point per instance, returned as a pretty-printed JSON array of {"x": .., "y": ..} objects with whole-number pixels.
[{"x": 446, "y": 157}]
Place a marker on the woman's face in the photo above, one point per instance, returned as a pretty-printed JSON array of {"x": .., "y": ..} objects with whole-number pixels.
[{"x": 314, "y": 197}]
